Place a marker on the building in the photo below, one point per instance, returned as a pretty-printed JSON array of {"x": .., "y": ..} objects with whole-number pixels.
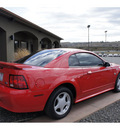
[{"x": 17, "y": 32}]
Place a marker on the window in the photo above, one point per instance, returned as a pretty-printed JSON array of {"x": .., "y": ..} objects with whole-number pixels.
[
  {"x": 86, "y": 59},
  {"x": 41, "y": 58},
  {"x": 73, "y": 61},
  {"x": 16, "y": 45},
  {"x": 24, "y": 45}
]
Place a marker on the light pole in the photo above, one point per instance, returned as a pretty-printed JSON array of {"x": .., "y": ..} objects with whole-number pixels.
[
  {"x": 88, "y": 36},
  {"x": 105, "y": 36}
]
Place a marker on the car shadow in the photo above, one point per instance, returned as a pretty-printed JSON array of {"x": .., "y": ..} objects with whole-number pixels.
[{"x": 7, "y": 116}]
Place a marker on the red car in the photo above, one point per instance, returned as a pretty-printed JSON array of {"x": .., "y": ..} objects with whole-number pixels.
[{"x": 52, "y": 80}]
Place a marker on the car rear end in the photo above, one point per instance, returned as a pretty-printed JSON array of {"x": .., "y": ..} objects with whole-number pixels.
[{"x": 15, "y": 92}]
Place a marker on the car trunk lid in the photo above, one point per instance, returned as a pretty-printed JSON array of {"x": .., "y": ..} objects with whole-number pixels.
[{"x": 7, "y": 69}]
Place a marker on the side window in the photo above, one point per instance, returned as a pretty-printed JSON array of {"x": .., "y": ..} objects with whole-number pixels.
[
  {"x": 86, "y": 59},
  {"x": 73, "y": 61}
]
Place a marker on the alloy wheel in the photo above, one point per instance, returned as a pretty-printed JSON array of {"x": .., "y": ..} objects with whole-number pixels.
[
  {"x": 62, "y": 103},
  {"x": 118, "y": 83}
]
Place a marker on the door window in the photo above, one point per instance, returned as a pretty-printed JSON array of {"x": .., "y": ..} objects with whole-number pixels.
[
  {"x": 73, "y": 61},
  {"x": 87, "y": 59}
]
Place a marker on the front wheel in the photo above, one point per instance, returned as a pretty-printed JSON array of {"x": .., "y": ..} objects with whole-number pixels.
[
  {"x": 59, "y": 103},
  {"x": 117, "y": 84}
]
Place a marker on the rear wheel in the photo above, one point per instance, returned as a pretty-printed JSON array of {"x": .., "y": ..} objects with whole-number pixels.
[
  {"x": 117, "y": 84},
  {"x": 59, "y": 103}
]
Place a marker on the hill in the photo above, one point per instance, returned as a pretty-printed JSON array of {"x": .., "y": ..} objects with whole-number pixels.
[{"x": 93, "y": 46}]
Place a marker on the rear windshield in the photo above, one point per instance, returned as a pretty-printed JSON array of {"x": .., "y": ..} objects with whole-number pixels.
[{"x": 41, "y": 58}]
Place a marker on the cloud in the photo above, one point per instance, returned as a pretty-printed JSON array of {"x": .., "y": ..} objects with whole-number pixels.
[
  {"x": 70, "y": 22},
  {"x": 111, "y": 14}
]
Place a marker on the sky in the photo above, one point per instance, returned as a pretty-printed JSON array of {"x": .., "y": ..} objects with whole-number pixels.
[{"x": 69, "y": 18}]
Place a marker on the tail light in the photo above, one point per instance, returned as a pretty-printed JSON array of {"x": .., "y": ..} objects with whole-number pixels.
[{"x": 17, "y": 82}]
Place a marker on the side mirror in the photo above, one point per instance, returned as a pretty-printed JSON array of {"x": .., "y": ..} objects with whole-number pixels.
[{"x": 106, "y": 64}]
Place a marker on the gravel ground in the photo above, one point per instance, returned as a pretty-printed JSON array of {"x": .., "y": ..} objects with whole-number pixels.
[
  {"x": 110, "y": 113},
  {"x": 7, "y": 116}
]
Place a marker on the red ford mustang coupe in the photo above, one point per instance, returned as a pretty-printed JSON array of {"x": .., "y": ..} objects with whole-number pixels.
[{"x": 52, "y": 80}]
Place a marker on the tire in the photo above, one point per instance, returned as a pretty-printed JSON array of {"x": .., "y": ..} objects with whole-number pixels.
[
  {"x": 117, "y": 84},
  {"x": 59, "y": 104}
]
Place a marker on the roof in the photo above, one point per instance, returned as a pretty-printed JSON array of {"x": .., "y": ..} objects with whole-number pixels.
[
  {"x": 70, "y": 49},
  {"x": 17, "y": 18}
]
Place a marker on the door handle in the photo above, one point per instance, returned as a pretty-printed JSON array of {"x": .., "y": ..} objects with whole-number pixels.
[{"x": 89, "y": 72}]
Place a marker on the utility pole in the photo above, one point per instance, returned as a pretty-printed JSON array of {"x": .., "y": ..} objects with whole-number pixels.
[
  {"x": 88, "y": 36},
  {"x": 105, "y": 36}
]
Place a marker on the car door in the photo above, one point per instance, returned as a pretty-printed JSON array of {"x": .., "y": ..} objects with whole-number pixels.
[{"x": 96, "y": 77}]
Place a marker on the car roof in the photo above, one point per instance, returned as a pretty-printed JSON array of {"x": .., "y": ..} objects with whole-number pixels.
[
  {"x": 61, "y": 61},
  {"x": 70, "y": 49}
]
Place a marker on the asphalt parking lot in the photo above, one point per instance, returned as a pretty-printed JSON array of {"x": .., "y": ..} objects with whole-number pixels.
[
  {"x": 112, "y": 59},
  {"x": 78, "y": 111}
]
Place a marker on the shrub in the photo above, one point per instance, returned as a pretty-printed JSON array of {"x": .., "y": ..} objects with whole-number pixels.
[{"x": 21, "y": 53}]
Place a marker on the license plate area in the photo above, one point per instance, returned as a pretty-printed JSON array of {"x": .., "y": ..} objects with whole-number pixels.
[{"x": 1, "y": 76}]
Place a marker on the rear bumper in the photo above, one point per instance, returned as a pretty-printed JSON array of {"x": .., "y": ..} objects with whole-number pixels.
[{"x": 22, "y": 100}]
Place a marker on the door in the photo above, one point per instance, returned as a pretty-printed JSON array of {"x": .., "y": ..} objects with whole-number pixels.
[
  {"x": 96, "y": 77},
  {"x": 31, "y": 48}
]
